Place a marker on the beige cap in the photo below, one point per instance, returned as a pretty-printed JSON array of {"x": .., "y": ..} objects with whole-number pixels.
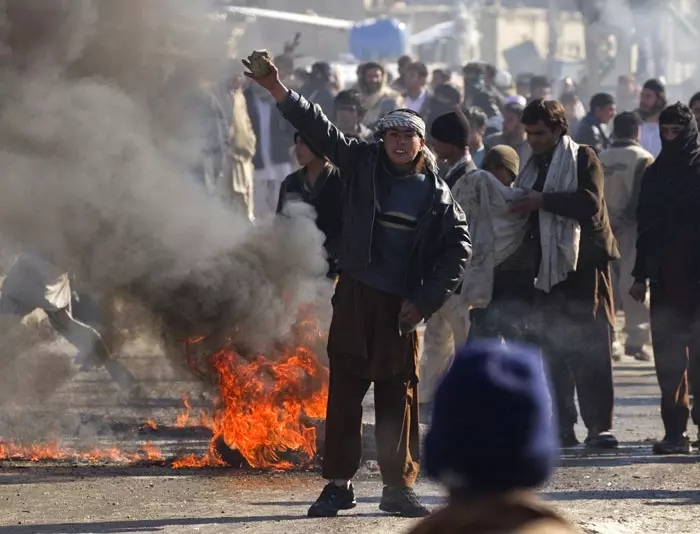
[{"x": 502, "y": 156}]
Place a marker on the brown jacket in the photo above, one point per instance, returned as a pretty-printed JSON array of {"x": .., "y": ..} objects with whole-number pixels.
[
  {"x": 516, "y": 513},
  {"x": 587, "y": 206}
]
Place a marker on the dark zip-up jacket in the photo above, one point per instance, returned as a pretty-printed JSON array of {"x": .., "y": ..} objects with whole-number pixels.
[
  {"x": 441, "y": 245},
  {"x": 590, "y": 132},
  {"x": 325, "y": 197}
]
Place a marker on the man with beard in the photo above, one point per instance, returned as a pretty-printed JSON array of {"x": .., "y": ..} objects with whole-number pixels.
[
  {"x": 571, "y": 246},
  {"x": 668, "y": 222},
  {"x": 513, "y": 134},
  {"x": 652, "y": 101},
  {"x": 405, "y": 247},
  {"x": 625, "y": 163},
  {"x": 348, "y": 115},
  {"x": 378, "y": 98}
]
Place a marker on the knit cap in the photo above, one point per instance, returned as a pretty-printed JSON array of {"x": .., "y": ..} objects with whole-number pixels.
[
  {"x": 492, "y": 428},
  {"x": 451, "y": 128},
  {"x": 502, "y": 156}
]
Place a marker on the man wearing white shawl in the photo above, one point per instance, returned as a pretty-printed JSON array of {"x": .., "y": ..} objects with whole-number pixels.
[{"x": 571, "y": 246}]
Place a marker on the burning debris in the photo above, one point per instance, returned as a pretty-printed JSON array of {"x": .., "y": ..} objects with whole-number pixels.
[{"x": 98, "y": 103}]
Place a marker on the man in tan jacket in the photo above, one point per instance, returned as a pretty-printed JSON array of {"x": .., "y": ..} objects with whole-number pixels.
[
  {"x": 378, "y": 98},
  {"x": 624, "y": 163}
]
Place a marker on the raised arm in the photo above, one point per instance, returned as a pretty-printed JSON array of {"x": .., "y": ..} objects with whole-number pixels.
[{"x": 310, "y": 121}]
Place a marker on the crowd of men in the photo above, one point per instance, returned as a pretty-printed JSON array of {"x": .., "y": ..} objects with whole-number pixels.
[{"x": 520, "y": 217}]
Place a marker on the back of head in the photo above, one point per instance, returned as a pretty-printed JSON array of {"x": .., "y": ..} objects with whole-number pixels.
[
  {"x": 626, "y": 125},
  {"x": 539, "y": 82},
  {"x": 451, "y": 128},
  {"x": 404, "y": 61},
  {"x": 349, "y": 98},
  {"x": 477, "y": 117},
  {"x": 492, "y": 429},
  {"x": 448, "y": 93}
]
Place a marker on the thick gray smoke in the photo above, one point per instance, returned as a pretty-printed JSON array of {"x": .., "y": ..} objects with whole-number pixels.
[{"x": 96, "y": 149}]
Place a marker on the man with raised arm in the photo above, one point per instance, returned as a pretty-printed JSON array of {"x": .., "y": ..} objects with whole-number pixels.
[{"x": 405, "y": 245}]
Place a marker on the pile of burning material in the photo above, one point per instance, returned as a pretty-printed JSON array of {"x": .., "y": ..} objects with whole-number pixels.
[{"x": 99, "y": 105}]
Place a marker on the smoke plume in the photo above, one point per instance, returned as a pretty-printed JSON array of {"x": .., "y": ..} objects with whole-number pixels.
[{"x": 99, "y": 138}]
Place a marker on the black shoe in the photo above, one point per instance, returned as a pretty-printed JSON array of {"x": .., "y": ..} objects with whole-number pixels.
[
  {"x": 568, "y": 439},
  {"x": 673, "y": 445},
  {"x": 403, "y": 502},
  {"x": 602, "y": 440},
  {"x": 640, "y": 354},
  {"x": 333, "y": 499}
]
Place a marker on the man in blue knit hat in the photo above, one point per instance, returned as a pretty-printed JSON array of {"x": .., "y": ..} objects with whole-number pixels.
[{"x": 492, "y": 460}]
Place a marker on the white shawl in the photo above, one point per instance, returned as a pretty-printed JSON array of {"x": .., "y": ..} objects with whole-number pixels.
[
  {"x": 495, "y": 230},
  {"x": 560, "y": 237}
]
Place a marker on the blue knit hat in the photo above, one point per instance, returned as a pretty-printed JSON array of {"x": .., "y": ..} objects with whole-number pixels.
[{"x": 492, "y": 428}]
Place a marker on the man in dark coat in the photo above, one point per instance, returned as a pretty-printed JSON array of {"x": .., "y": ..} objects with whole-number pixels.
[
  {"x": 668, "y": 241},
  {"x": 405, "y": 248},
  {"x": 590, "y": 131},
  {"x": 571, "y": 246},
  {"x": 318, "y": 184},
  {"x": 475, "y": 91}
]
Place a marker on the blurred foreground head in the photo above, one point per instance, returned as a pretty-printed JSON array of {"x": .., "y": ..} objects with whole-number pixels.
[{"x": 492, "y": 429}]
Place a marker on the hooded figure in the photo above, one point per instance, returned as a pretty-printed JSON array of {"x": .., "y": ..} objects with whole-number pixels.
[{"x": 668, "y": 241}]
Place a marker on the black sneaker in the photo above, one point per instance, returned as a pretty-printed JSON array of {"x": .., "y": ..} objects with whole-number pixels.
[
  {"x": 333, "y": 499},
  {"x": 403, "y": 502},
  {"x": 641, "y": 354},
  {"x": 568, "y": 439},
  {"x": 673, "y": 445},
  {"x": 602, "y": 440}
]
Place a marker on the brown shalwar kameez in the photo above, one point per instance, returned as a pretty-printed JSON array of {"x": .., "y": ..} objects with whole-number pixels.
[
  {"x": 364, "y": 346},
  {"x": 574, "y": 321}
]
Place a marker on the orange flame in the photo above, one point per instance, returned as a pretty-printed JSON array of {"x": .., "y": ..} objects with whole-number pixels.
[
  {"x": 184, "y": 417},
  {"x": 53, "y": 451},
  {"x": 264, "y": 406},
  {"x": 151, "y": 424}
]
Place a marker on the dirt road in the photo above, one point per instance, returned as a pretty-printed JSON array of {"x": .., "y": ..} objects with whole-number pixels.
[{"x": 628, "y": 491}]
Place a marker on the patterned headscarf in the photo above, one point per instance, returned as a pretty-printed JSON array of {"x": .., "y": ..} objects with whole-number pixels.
[{"x": 400, "y": 118}]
